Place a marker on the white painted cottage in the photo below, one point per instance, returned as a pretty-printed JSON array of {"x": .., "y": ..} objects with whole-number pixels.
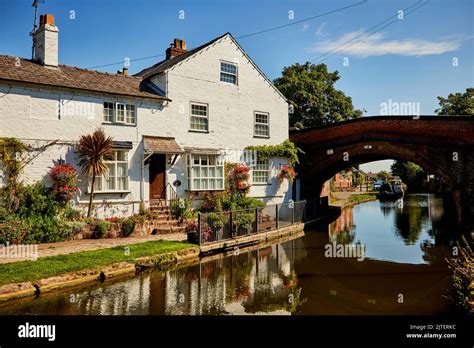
[{"x": 172, "y": 123}]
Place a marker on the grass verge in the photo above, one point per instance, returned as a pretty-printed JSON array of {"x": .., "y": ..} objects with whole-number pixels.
[
  {"x": 30, "y": 271},
  {"x": 363, "y": 197}
]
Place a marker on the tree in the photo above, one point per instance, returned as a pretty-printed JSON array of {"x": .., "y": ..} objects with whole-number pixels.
[
  {"x": 383, "y": 174},
  {"x": 309, "y": 88},
  {"x": 410, "y": 173},
  {"x": 93, "y": 150},
  {"x": 457, "y": 104}
]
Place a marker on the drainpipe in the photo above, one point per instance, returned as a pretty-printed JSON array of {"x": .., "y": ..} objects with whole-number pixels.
[{"x": 142, "y": 182}]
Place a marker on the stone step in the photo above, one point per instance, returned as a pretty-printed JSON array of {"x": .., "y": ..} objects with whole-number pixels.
[
  {"x": 167, "y": 222},
  {"x": 170, "y": 229},
  {"x": 158, "y": 208}
]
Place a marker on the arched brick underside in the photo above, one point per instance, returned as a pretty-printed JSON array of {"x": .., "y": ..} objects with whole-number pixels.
[{"x": 433, "y": 142}]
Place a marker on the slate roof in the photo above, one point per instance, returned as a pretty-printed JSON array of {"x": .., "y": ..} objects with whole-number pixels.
[
  {"x": 24, "y": 70},
  {"x": 167, "y": 64}
]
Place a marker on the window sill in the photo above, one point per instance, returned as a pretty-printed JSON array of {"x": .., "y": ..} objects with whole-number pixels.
[
  {"x": 198, "y": 131},
  {"x": 261, "y": 184},
  {"x": 262, "y": 136},
  {"x": 109, "y": 192},
  {"x": 119, "y": 124},
  {"x": 205, "y": 190}
]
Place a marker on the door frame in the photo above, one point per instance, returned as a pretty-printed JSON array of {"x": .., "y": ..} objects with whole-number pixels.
[{"x": 154, "y": 158}]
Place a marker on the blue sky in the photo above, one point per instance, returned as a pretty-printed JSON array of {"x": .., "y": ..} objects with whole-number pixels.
[{"x": 410, "y": 60}]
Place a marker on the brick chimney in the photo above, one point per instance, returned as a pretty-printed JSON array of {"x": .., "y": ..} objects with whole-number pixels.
[
  {"x": 177, "y": 48},
  {"x": 46, "y": 41}
]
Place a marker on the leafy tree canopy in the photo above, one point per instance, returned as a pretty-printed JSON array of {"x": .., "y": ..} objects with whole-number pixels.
[
  {"x": 383, "y": 174},
  {"x": 457, "y": 104},
  {"x": 310, "y": 89}
]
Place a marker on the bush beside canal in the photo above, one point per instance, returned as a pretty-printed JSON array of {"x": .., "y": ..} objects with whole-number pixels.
[{"x": 462, "y": 267}]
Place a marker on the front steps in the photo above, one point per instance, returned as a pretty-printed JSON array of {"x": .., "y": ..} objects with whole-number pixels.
[{"x": 164, "y": 221}]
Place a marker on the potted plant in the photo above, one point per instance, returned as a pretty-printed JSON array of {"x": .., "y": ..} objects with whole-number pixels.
[
  {"x": 64, "y": 178},
  {"x": 239, "y": 178},
  {"x": 287, "y": 172},
  {"x": 192, "y": 232},
  {"x": 264, "y": 222}
]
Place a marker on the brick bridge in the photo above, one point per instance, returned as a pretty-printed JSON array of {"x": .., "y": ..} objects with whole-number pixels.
[{"x": 441, "y": 145}]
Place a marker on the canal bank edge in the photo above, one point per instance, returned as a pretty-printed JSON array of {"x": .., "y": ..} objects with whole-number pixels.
[
  {"x": 344, "y": 203},
  {"x": 81, "y": 278},
  {"x": 160, "y": 261}
]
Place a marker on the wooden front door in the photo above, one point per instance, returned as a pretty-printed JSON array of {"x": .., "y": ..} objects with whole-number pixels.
[{"x": 157, "y": 176}]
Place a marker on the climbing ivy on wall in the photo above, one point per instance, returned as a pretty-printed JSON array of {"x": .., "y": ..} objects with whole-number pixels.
[
  {"x": 286, "y": 149},
  {"x": 14, "y": 156},
  {"x": 11, "y": 152}
]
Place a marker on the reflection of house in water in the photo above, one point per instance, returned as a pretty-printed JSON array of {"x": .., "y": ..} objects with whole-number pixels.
[
  {"x": 340, "y": 231},
  {"x": 256, "y": 281},
  {"x": 125, "y": 298}
]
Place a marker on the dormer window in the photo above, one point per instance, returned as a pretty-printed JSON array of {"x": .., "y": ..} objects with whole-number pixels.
[{"x": 229, "y": 72}]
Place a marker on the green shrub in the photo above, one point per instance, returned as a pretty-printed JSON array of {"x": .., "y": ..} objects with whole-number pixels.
[
  {"x": 75, "y": 226},
  {"x": 243, "y": 219},
  {"x": 128, "y": 225},
  {"x": 141, "y": 208},
  {"x": 71, "y": 213},
  {"x": 39, "y": 218},
  {"x": 239, "y": 202},
  {"x": 182, "y": 209},
  {"x": 101, "y": 229},
  {"x": 13, "y": 230},
  {"x": 47, "y": 229}
]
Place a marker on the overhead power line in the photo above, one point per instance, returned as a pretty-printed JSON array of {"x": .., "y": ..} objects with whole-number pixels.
[
  {"x": 372, "y": 30},
  {"x": 301, "y": 21},
  {"x": 246, "y": 35}
]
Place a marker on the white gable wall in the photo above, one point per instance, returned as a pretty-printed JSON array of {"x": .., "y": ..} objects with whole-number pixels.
[{"x": 39, "y": 115}]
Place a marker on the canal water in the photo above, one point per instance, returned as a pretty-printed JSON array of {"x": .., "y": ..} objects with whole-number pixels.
[{"x": 400, "y": 269}]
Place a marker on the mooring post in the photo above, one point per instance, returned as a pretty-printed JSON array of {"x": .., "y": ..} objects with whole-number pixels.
[
  {"x": 199, "y": 228},
  {"x": 293, "y": 214},
  {"x": 276, "y": 216},
  {"x": 256, "y": 219}
]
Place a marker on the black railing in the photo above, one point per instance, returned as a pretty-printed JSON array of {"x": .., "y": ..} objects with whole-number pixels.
[
  {"x": 219, "y": 226},
  {"x": 170, "y": 199}
]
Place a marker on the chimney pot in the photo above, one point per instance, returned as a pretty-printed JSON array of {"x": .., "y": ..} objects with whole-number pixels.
[
  {"x": 48, "y": 19},
  {"x": 178, "y": 47},
  {"x": 46, "y": 41},
  {"x": 125, "y": 71}
]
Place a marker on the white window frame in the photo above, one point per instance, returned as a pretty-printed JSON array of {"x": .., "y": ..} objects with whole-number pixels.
[
  {"x": 117, "y": 111},
  {"x": 228, "y": 73},
  {"x": 267, "y": 171},
  {"x": 267, "y": 124},
  {"x": 134, "y": 109},
  {"x": 100, "y": 180},
  {"x": 190, "y": 158},
  {"x": 113, "y": 112},
  {"x": 126, "y": 107},
  {"x": 198, "y": 116}
]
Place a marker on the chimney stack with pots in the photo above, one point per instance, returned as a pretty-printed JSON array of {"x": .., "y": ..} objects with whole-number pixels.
[
  {"x": 46, "y": 41},
  {"x": 178, "y": 47}
]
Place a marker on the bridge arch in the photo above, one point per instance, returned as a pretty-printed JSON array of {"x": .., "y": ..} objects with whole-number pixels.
[{"x": 441, "y": 145}]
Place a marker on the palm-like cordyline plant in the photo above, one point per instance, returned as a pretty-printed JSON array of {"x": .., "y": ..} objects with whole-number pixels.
[{"x": 93, "y": 150}]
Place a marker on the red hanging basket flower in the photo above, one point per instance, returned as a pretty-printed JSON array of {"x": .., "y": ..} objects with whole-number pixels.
[{"x": 287, "y": 172}]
